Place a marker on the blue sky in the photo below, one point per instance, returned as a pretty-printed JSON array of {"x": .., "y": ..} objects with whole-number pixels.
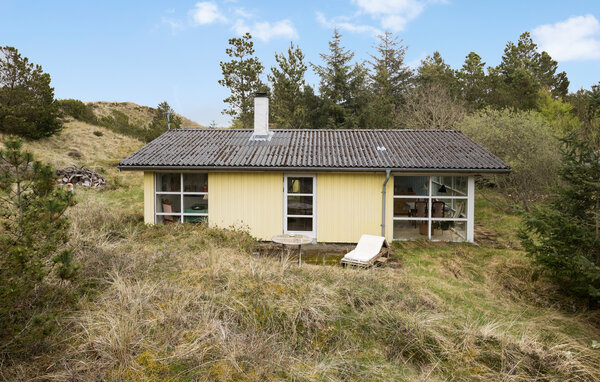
[{"x": 150, "y": 51}]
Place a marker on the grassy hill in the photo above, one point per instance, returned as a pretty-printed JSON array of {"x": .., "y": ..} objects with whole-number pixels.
[
  {"x": 186, "y": 303},
  {"x": 138, "y": 115}
]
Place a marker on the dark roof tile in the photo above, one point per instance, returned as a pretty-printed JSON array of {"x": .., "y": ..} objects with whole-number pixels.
[{"x": 316, "y": 149}]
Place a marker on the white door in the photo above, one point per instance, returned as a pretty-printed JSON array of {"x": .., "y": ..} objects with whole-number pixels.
[{"x": 299, "y": 209}]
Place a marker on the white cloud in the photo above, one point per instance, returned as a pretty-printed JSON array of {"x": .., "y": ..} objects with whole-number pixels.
[
  {"x": 577, "y": 38},
  {"x": 393, "y": 15},
  {"x": 206, "y": 12},
  {"x": 174, "y": 24},
  {"x": 344, "y": 23},
  {"x": 265, "y": 31},
  {"x": 243, "y": 13}
]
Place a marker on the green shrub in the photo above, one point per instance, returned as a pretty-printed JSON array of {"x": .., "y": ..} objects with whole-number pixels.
[
  {"x": 119, "y": 123},
  {"x": 563, "y": 233},
  {"x": 78, "y": 110},
  {"x": 526, "y": 142},
  {"x": 32, "y": 238}
]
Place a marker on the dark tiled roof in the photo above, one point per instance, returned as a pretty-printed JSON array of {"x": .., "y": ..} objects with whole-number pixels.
[{"x": 316, "y": 149}]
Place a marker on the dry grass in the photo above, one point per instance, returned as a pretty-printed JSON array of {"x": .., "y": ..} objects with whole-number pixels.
[
  {"x": 185, "y": 302},
  {"x": 138, "y": 115},
  {"x": 78, "y": 136}
]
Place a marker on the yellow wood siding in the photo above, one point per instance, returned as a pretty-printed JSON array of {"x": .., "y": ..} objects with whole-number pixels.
[
  {"x": 349, "y": 205},
  {"x": 251, "y": 200},
  {"x": 148, "y": 197}
]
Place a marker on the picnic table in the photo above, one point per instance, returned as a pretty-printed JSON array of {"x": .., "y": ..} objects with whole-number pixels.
[{"x": 292, "y": 240}]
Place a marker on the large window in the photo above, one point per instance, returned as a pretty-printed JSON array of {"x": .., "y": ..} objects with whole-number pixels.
[
  {"x": 430, "y": 207},
  {"x": 181, "y": 197}
]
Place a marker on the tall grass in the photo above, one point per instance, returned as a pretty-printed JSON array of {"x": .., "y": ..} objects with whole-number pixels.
[{"x": 184, "y": 302}]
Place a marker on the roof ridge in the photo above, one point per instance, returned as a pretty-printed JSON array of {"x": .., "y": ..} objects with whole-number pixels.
[{"x": 186, "y": 129}]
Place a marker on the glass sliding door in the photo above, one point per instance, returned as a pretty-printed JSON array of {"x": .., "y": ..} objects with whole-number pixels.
[{"x": 299, "y": 205}]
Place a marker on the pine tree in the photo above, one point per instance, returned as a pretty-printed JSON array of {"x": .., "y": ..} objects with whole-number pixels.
[
  {"x": 586, "y": 107},
  {"x": 594, "y": 101},
  {"x": 287, "y": 82},
  {"x": 33, "y": 233},
  {"x": 315, "y": 117},
  {"x": 563, "y": 234},
  {"x": 27, "y": 104},
  {"x": 434, "y": 70},
  {"x": 523, "y": 72},
  {"x": 389, "y": 81},
  {"x": 342, "y": 86},
  {"x": 242, "y": 76},
  {"x": 159, "y": 123},
  {"x": 472, "y": 80}
]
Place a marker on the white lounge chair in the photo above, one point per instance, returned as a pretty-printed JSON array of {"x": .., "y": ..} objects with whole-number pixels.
[{"x": 368, "y": 250}]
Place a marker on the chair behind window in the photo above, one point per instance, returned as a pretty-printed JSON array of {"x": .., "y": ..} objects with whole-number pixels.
[
  {"x": 437, "y": 209},
  {"x": 420, "y": 208},
  {"x": 167, "y": 207}
]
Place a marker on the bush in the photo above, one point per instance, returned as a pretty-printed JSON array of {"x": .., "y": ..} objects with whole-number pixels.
[
  {"x": 78, "y": 110},
  {"x": 119, "y": 123},
  {"x": 526, "y": 142},
  {"x": 563, "y": 233},
  {"x": 32, "y": 238}
]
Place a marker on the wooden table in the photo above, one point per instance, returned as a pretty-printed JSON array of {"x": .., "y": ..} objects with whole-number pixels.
[{"x": 292, "y": 240}]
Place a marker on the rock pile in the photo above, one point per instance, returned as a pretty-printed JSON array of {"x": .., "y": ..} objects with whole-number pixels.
[{"x": 81, "y": 176}]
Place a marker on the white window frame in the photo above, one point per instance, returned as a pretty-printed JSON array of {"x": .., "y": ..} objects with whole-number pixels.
[
  {"x": 468, "y": 197},
  {"x": 313, "y": 233},
  {"x": 181, "y": 194}
]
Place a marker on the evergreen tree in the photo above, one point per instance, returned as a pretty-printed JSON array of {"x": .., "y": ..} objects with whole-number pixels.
[
  {"x": 389, "y": 81},
  {"x": 287, "y": 82},
  {"x": 523, "y": 72},
  {"x": 315, "y": 117},
  {"x": 342, "y": 86},
  {"x": 586, "y": 107},
  {"x": 563, "y": 234},
  {"x": 594, "y": 101},
  {"x": 434, "y": 70},
  {"x": 242, "y": 76},
  {"x": 472, "y": 80},
  {"x": 160, "y": 124},
  {"x": 33, "y": 232},
  {"x": 27, "y": 104}
]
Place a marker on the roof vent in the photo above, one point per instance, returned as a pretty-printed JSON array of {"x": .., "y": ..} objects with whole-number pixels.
[
  {"x": 261, "y": 118},
  {"x": 380, "y": 148}
]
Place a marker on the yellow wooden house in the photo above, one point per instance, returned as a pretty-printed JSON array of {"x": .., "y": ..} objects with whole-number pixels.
[{"x": 332, "y": 185}]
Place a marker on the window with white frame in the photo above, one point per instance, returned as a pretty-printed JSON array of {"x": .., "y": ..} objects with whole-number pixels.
[
  {"x": 430, "y": 207},
  {"x": 181, "y": 197},
  {"x": 299, "y": 204}
]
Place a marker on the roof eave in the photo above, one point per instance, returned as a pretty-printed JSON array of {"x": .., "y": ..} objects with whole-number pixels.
[{"x": 317, "y": 169}]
